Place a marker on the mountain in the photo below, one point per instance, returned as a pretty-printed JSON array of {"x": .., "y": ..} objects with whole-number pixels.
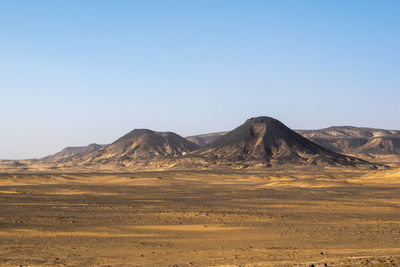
[
  {"x": 377, "y": 145},
  {"x": 267, "y": 141},
  {"x": 70, "y": 152},
  {"x": 204, "y": 139},
  {"x": 138, "y": 148},
  {"x": 259, "y": 142},
  {"x": 368, "y": 143},
  {"x": 349, "y": 132},
  {"x": 146, "y": 144}
]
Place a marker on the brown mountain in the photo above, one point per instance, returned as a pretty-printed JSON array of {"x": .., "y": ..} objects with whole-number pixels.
[
  {"x": 144, "y": 143},
  {"x": 368, "y": 143},
  {"x": 266, "y": 141},
  {"x": 138, "y": 148}
]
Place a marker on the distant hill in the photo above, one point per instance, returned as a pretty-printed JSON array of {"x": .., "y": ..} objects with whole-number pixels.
[
  {"x": 204, "y": 139},
  {"x": 266, "y": 141},
  {"x": 349, "y": 132},
  {"x": 368, "y": 143},
  {"x": 69, "y": 152}
]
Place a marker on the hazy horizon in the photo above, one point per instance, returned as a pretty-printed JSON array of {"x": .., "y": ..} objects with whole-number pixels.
[{"x": 79, "y": 72}]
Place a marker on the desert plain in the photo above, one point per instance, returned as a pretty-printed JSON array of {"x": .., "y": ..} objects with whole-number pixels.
[{"x": 286, "y": 216}]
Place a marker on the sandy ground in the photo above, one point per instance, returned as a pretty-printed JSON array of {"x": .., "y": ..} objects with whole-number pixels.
[{"x": 287, "y": 217}]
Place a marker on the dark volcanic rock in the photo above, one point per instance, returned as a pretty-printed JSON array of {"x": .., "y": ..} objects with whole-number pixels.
[{"x": 268, "y": 141}]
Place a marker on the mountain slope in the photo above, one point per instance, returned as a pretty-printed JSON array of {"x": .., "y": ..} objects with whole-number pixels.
[
  {"x": 264, "y": 140},
  {"x": 69, "y": 152}
]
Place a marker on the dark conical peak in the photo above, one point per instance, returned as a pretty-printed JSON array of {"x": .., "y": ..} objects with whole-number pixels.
[
  {"x": 269, "y": 123},
  {"x": 268, "y": 141},
  {"x": 258, "y": 126},
  {"x": 261, "y": 119}
]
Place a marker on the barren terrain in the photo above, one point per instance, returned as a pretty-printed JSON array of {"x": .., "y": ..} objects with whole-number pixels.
[{"x": 275, "y": 217}]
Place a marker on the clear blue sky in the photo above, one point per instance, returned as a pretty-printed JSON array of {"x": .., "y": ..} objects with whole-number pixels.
[{"x": 79, "y": 72}]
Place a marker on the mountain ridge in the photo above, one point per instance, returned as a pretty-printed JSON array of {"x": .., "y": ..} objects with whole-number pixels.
[
  {"x": 258, "y": 142},
  {"x": 374, "y": 144}
]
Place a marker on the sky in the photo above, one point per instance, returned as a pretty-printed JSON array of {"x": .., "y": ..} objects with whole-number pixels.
[{"x": 79, "y": 72}]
